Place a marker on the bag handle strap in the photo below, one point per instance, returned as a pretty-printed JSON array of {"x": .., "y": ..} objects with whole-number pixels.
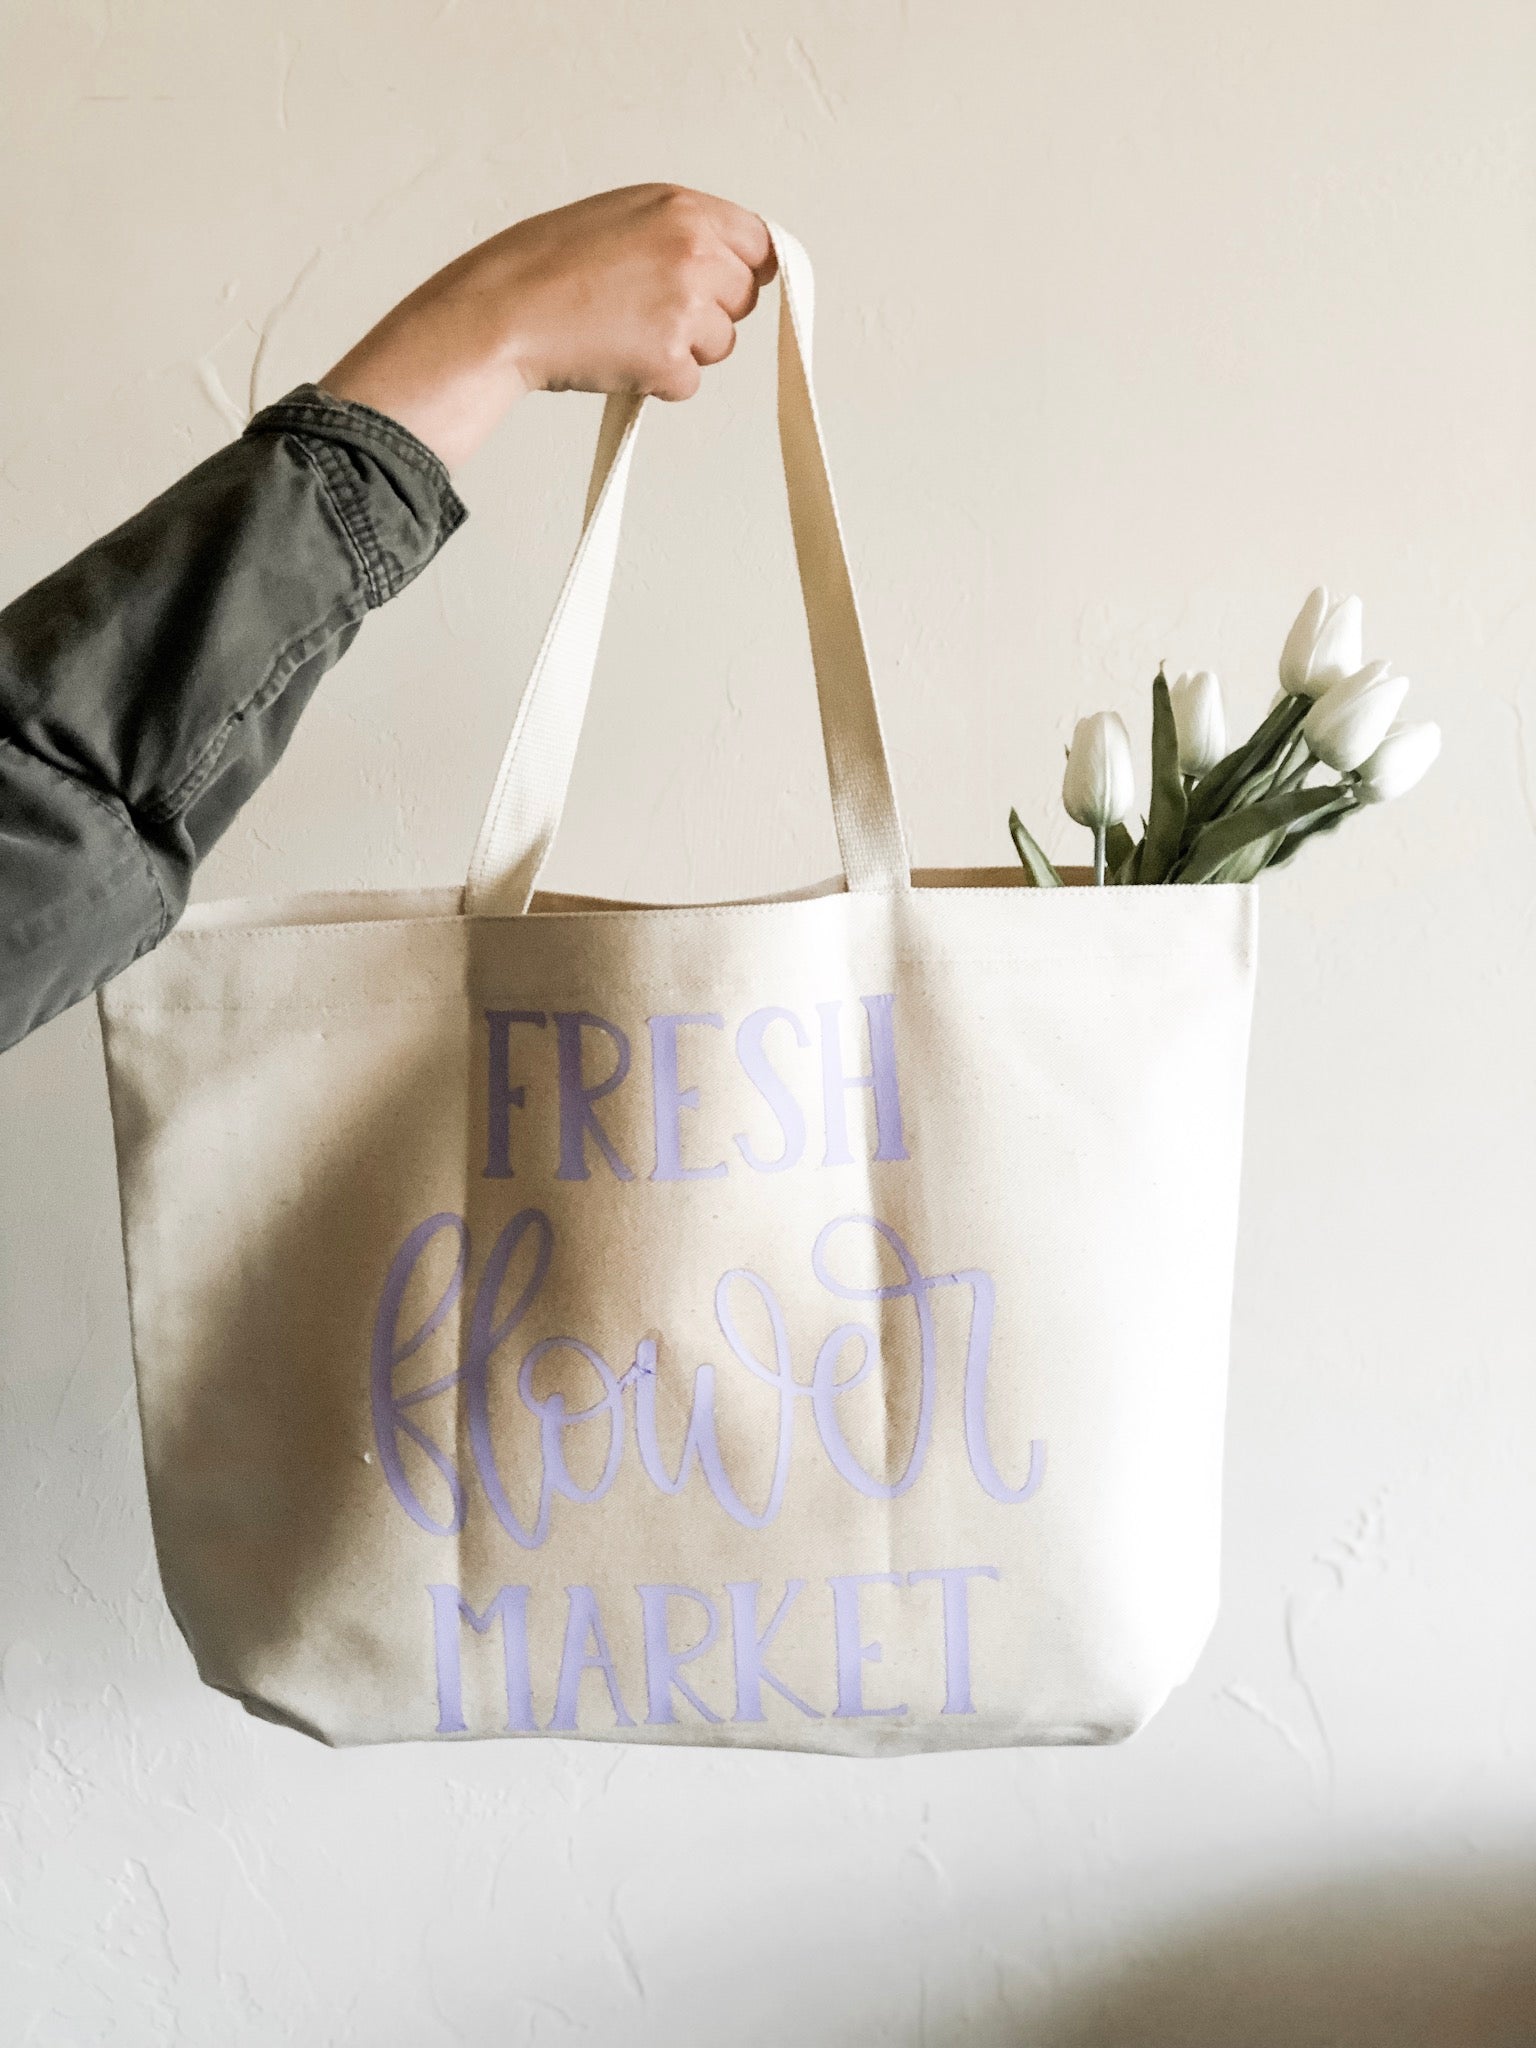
[{"x": 526, "y": 804}]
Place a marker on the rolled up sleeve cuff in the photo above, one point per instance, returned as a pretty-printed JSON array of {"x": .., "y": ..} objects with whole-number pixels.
[{"x": 394, "y": 537}]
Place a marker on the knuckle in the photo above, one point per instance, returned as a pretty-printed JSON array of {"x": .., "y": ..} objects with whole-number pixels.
[
  {"x": 690, "y": 239},
  {"x": 668, "y": 366},
  {"x": 679, "y": 378},
  {"x": 662, "y": 199}
]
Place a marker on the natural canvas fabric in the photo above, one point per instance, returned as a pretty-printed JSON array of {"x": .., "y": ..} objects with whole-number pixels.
[{"x": 798, "y": 1323}]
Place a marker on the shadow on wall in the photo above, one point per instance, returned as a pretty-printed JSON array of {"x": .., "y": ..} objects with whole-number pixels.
[{"x": 1411, "y": 1958}]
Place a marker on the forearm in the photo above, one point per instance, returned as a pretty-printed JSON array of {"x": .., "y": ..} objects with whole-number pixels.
[
  {"x": 149, "y": 685},
  {"x": 628, "y": 291}
]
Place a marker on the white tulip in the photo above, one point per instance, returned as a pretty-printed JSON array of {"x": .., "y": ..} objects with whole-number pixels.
[
  {"x": 1200, "y": 720},
  {"x": 1325, "y": 645},
  {"x": 1099, "y": 787},
  {"x": 1404, "y": 757},
  {"x": 1350, "y": 720}
]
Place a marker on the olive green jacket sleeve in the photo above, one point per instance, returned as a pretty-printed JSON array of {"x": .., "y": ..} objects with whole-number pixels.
[{"x": 149, "y": 685}]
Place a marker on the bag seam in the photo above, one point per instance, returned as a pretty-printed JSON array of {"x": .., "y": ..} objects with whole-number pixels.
[{"x": 649, "y": 912}]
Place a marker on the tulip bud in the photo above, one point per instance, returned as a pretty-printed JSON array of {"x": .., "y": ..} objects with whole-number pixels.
[
  {"x": 1099, "y": 788},
  {"x": 1324, "y": 646},
  {"x": 1350, "y": 720},
  {"x": 1199, "y": 720},
  {"x": 1404, "y": 757}
]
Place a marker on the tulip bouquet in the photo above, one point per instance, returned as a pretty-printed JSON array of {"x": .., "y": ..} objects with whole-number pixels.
[{"x": 1330, "y": 745}]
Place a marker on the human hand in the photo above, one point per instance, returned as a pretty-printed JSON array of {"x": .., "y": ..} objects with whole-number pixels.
[{"x": 634, "y": 290}]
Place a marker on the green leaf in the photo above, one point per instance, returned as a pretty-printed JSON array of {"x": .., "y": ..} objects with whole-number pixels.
[
  {"x": 1265, "y": 780},
  {"x": 1119, "y": 849},
  {"x": 1325, "y": 821},
  {"x": 1036, "y": 865},
  {"x": 1166, "y": 811},
  {"x": 1216, "y": 788},
  {"x": 1224, "y": 837},
  {"x": 1279, "y": 847},
  {"x": 1244, "y": 866}
]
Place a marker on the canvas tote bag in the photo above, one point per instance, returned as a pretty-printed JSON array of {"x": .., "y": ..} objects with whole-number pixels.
[{"x": 799, "y": 1323}]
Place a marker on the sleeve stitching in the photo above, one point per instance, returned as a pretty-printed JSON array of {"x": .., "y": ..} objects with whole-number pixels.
[
  {"x": 162, "y": 808},
  {"x": 324, "y": 411},
  {"x": 349, "y": 503}
]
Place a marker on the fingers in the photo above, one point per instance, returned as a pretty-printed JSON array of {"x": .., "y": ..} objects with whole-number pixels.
[
  {"x": 737, "y": 289},
  {"x": 705, "y": 327},
  {"x": 716, "y": 336},
  {"x": 725, "y": 289},
  {"x": 681, "y": 379},
  {"x": 747, "y": 235},
  {"x": 737, "y": 255},
  {"x": 712, "y": 260}
]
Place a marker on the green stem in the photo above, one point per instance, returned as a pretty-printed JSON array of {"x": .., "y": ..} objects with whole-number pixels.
[
  {"x": 1098, "y": 856},
  {"x": 1327, "y": 820},
  {"x": 1298, "y": 749},
  {"x": 1234, "y": 778},
  {"x": 1284, "y": 782}
]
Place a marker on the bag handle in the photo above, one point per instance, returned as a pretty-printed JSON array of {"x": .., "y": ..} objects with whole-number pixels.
[{"x": 525, "y": 807}]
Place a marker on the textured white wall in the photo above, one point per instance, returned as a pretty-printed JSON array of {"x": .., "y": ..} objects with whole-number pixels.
[{"x": 1136, "y": 322}]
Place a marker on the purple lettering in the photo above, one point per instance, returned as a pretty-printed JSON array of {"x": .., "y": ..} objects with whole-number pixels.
[
  {"x": 577, "y": 1118},
  {"x": 527, "y": 1244},
  {"x": 752, "y": 1672},
  {"x": 500, "y": 1096},
  {"x": 669, "y": 1099},
  {"x": 555, "y": 1419},
  {"x": 584, "y": 1627},
  {"x": 758, "y": 1070},
  {"x": 486, "y": 1337},
  {"x": 853, "y": 1653},
  {"x": 826, "y": 1388},
  {"x": 390, "y": 1421},
  {"x": 663, "y": 1664},
  {"x": 510, "y": 1608},
  {"x": 957, "y": 1629},
  {"x": 701, "y": 1443},
  {"x": 978, "y": 1361},
  {"x": 880, "y": 1080}
]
